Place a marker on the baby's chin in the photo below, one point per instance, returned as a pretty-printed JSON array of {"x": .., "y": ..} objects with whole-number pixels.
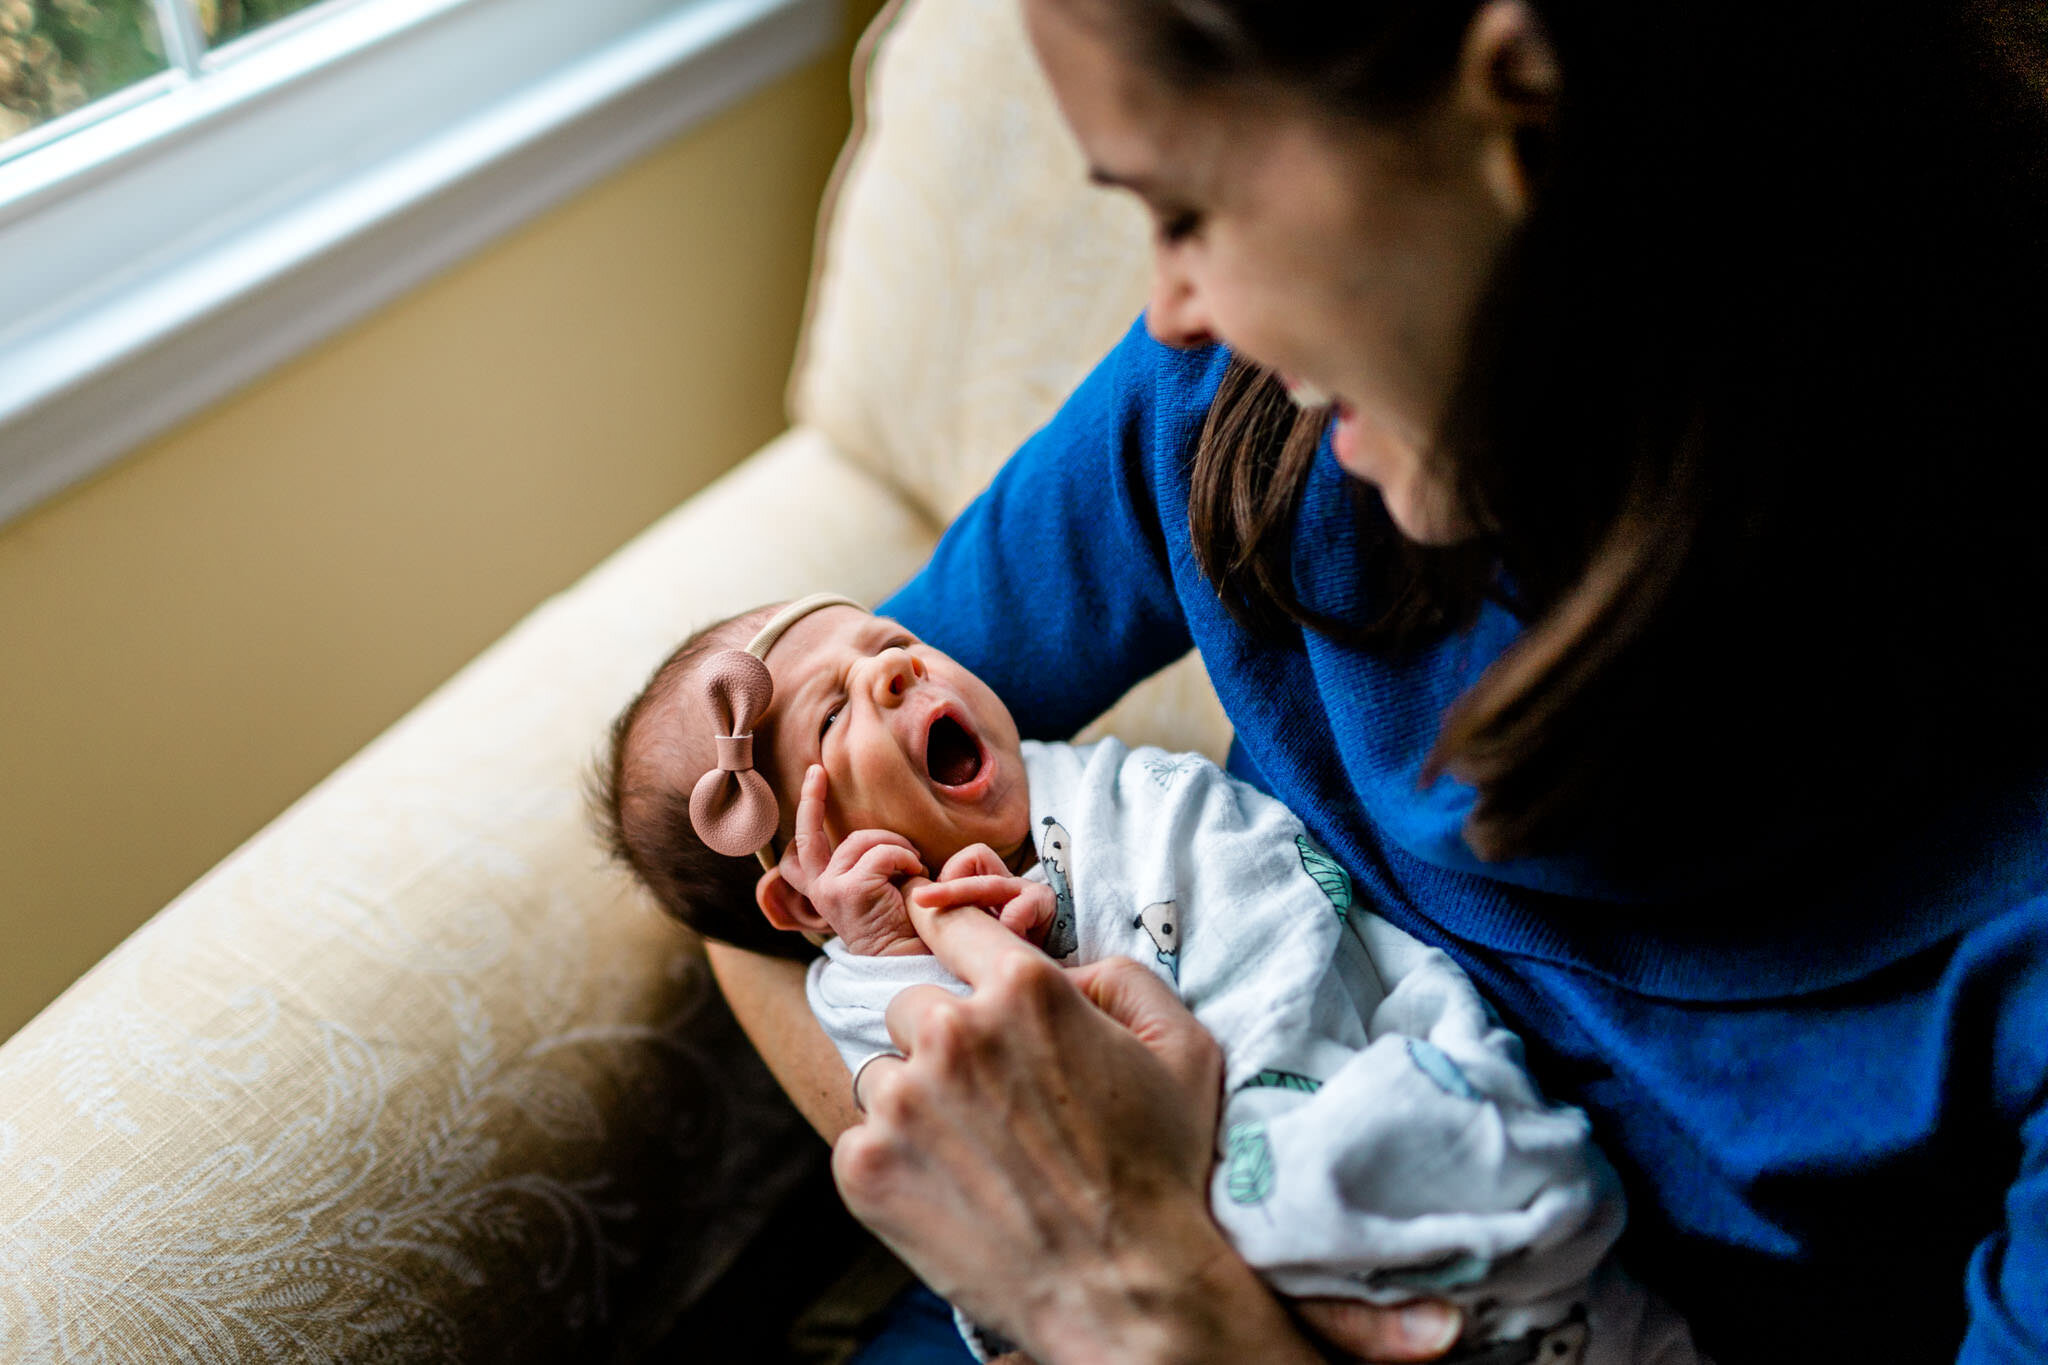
[{"x": 1013, "y": 846}]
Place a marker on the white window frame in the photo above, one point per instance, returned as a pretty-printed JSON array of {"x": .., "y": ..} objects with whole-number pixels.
[{"x": 165, "y": 247}]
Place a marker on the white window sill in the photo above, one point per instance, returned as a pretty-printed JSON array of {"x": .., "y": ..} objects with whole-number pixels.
[{"x": 209, "y": 230}]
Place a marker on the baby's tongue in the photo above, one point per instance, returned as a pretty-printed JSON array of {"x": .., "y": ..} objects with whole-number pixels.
[{"x": 951, "y": 755}]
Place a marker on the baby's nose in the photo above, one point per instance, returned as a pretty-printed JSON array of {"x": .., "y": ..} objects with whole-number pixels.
[{"x": 895, "y": 671}]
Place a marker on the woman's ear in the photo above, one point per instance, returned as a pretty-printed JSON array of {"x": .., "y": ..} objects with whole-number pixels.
[
  {"x": 1508, "y": 79},
  {"x": 785, "y": 906}
]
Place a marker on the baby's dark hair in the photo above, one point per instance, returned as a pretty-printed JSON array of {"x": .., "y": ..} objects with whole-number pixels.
[{"x": 643, "y": 816}]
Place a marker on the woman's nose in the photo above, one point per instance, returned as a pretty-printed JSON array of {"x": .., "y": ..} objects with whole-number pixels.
[
  {"x": 1175, "y": 314},
  {"x": 892, "y": 674}
]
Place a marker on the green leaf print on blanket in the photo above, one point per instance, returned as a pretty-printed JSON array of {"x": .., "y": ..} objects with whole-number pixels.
[
  {"x": 1251, "y": 1163},
  {"x": 1433, "y": 1062},
  {"x": 1334, "y": 880},
  {"x": 1275, "y": 1079}
]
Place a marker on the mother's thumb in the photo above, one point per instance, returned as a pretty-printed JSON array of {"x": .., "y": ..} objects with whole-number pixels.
[{"x": 1136, "y": 998}]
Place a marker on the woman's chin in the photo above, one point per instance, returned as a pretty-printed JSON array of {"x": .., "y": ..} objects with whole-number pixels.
[
  {"x": 1429, "y": 524},
  {"x": 1420, "y": 510}
]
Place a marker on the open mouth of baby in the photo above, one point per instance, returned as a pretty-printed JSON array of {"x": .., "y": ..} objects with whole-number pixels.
[{"x": 952, "y": 755}]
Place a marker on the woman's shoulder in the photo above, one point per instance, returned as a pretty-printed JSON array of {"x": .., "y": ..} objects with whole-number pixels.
[{"x": 1169, "y": 388}]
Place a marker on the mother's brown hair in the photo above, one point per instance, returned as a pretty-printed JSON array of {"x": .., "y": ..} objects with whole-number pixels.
[{"x": 1751, "y": 421}]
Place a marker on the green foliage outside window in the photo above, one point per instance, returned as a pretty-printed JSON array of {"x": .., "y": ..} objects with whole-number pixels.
[
  {"x": 225, "y": 20},
  {"x": 56, "y": 55}
]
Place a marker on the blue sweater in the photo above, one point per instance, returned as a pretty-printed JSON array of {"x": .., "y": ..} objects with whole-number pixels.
[{"x": 1828, "y": 1097}]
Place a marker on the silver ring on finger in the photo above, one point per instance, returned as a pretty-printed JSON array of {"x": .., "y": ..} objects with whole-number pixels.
[{"x": 862, "y": 1070}]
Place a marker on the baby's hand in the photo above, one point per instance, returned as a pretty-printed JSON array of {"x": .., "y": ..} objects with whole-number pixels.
[
  {"x": 859, "y": 885},
  {"x": 976, "y": 876}
]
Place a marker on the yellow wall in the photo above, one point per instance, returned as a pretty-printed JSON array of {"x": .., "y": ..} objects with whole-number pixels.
[{"x": 193, "y": 639}]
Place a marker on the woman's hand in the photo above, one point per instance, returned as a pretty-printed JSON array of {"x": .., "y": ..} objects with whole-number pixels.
[
  {"x": 1041, "y": 1157},
  {"x": 1052, "y": 1201}
]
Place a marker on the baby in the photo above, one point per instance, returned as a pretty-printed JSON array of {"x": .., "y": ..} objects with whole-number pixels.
[{"x": 1380, "y": 1139}]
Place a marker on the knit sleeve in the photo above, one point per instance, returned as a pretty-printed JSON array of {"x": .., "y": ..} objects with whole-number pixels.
[
  {"x": 1056, "y": 585},
  {"x": 2007, "y": 1281}
]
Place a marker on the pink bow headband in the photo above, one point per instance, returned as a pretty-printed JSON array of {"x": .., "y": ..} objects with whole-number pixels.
[{"x": 732, "y": 807}]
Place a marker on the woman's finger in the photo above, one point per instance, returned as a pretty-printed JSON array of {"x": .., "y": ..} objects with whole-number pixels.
[
  {"x": 967, "y": 942},
  {"x": 910, "y": 1012},
  {"x": 1422, "y": 1330},
  {"x": 1136, "y": 998},
  {"x": 987, "y": 892},
  {"x": 872, "y": 1074}
]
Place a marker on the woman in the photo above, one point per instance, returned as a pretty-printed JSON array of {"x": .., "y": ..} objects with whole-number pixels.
[{"x": 1644, "y": 608}]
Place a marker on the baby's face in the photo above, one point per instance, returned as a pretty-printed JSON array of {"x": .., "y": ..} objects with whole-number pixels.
[{"x": 911, "y": 742}]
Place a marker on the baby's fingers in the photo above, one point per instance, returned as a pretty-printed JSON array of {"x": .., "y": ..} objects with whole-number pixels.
[
  {"x": 1030, "y": 912},
  {"x": 810, "y": 847},
  {"x": 976, "y": 860},
  {"x": 885, "y": 861},
  {"x": 857, "y": 845}
]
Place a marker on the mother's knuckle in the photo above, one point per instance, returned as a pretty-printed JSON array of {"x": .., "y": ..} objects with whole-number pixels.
[
  {"x": 1121, "y": 968},
  {"x": 1029, "y": 978},
  {"x": 895, "y": 1104},
  {"x": 943, "y": 1032},
  {"x": 862, "y": 1162}
]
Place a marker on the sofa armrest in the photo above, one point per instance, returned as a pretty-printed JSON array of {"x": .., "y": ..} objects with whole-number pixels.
[{"x": 415, "y": 1074}]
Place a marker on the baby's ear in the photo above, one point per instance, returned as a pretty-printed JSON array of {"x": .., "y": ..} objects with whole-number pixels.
[{"x": 785, "y": 906}]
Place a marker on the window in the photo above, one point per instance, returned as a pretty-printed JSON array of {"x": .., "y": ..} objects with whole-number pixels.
[{"x": 179, "y": 214}]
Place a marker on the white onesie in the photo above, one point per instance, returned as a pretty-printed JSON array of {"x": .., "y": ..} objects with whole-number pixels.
[{"x": 1380, "y": 1137}]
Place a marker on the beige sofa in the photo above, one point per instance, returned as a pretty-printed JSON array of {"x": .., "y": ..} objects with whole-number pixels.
[{"x": 415, "y": 1075}]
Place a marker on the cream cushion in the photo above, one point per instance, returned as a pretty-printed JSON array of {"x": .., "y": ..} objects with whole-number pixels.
[
  {"x": 970, "y": 275},
  {"x": 415, "y": 1074}
]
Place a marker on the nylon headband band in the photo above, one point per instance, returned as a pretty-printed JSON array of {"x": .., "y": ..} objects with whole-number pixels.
[{"x": 764, "y": 640}]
